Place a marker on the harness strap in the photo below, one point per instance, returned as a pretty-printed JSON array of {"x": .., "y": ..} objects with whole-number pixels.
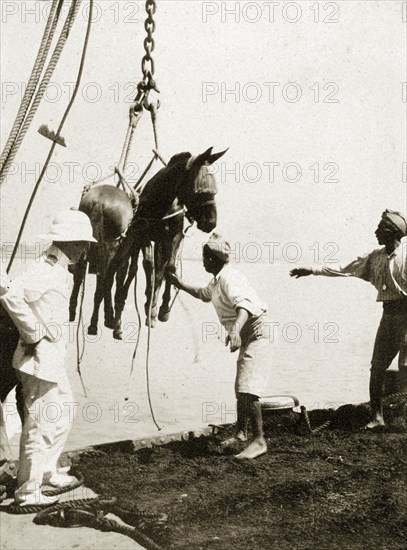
[{"x": 177, "y": 213}]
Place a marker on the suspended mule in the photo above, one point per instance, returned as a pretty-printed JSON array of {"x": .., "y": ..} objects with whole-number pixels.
[{"x": 185, "y": 187}]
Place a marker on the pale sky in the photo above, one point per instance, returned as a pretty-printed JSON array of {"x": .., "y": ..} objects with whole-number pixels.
[{"x": 311, "y": 91}]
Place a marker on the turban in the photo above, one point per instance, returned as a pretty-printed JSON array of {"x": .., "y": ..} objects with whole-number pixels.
[
  {"x": 218, "y": 247},
  {"x": 397, "y": 219}
]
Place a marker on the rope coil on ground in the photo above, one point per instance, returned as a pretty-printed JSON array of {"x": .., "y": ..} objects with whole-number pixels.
[{"x": 92, "y": 513}]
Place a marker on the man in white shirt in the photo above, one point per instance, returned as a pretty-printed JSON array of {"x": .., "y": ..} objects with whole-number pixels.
[
  {"x": 386, "y": 270},
  {"x": 37, "y": 302},
  {"x": 242, "y": 314}
]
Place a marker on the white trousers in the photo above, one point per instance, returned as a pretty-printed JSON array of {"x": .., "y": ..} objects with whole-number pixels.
[
  {"x": 49, "y": 415},
  {"x": 5, "y": 453}
]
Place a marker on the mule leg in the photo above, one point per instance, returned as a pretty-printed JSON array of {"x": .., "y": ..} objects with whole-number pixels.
[
  {"x": 93, "y": 327},
  {"x": 108, "y": 306},
  {"x": 78, "y": 276},
  {"x": 149, "y": 269},
  {"x": 107, "y": 298},
  {"x": 164, "y": 313},
  {"x": 161, "y": 257},
  {"x": 112, "y": 262},
  {"x": 122, "y": 290}
]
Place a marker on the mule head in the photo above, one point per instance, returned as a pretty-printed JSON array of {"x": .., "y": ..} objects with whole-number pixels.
[{"x": 199, "y": 188}]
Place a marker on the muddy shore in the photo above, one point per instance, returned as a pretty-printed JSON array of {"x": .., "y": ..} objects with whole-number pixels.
[{"x": 341, "y": 488}]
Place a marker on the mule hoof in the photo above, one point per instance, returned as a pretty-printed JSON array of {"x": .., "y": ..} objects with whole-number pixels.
[
  {"x": 92, "y": 331},
  {"x": 109, "y": 323},
  {"x": 71, "y": 317},
  {"x": 163, "y": 316},
  {"x": 152, "y": 323},
  {"x": 118, "y": 335}
]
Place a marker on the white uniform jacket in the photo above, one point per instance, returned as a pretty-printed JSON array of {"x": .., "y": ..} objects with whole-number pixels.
[{"x": 37, "y": 302}]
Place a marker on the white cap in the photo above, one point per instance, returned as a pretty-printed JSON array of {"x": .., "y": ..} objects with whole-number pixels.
[{"x": 70, "y": 225}]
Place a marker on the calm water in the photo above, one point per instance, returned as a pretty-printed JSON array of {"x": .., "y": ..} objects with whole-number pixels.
[{"x": 320, "y": 349}]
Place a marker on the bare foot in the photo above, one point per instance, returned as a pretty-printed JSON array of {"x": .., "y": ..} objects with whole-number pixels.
[
  {"x": 374, "y": 424},
  {"x": 256, "y": 448},
  {"x": 240, "y": 436}
]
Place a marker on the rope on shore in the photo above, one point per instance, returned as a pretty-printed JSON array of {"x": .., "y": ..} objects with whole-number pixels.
[
  {"x": 306, "y": 418},
  {"x": 327, "y": 423},
  {"x": 92, "y": 513}
]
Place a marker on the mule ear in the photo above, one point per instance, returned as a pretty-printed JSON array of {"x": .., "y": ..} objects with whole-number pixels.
[
  {"x": 213, "y": 158},
  {"x": 204, "y": 157}
]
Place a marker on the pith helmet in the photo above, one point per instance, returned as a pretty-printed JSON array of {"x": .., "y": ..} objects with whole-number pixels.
[{"x": 70, "y": 225}]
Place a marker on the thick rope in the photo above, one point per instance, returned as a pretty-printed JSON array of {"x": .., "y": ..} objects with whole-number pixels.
[
  {"x": 393, "y": 395},
  {"x": 194, "y": 333},
  {"x": 33, "y": 80},
  {"x": 34, "y": 508},
  {"x": 126, "y": 145},
  {"x": 44, "y": 83},
  {"x": 65, "y": 489},
  {"x": 138, "y": 187},
  {"x": 191, "y": 324},
  {"x": 137, "y": 341},
  {"x": 61, "y": 125},
  {"x": 306, "y": 418},
  {"x": 327, "y": 423},
  {"x": 149, "y": 336},
  {"x": 80, "y": 330},
  {"x": 126, "y": 155},
  {"x": 153, "y": 108},
  {"x": 92, "y": 513}
]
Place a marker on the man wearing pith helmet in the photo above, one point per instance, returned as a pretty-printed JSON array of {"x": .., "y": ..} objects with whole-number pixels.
[
  {"x": 242, "y": 313},
  {"x": 386, "y": 269},
  {"x": 37, "y": 302}
]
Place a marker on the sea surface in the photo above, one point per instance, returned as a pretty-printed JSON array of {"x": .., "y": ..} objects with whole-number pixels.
[{"x": 321, "y": 338}]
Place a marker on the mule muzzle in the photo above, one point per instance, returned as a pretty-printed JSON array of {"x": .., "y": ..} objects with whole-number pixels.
[{"x": 206, "y": 225}]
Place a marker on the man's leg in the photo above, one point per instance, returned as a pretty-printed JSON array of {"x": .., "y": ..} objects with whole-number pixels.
[
  {"x": 403, "y": 355},
  {"x": 5, "y": 452},
  {"x": 8, "y": 378},
  {"x": 252, "y": 368},
  {"x": 33, "y": 443},
  {"x": 252, "y": 407},
  {"x": 242, "y": 417},
  {"x": 64, "y": 412},
  {"x": 386, "y": 347}
]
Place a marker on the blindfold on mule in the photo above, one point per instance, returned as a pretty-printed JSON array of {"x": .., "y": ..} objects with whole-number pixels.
[{"x": 205, "y": 182}]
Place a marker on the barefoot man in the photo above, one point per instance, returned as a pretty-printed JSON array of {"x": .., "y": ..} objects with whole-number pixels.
[
  {"x": 386, "y": 269},
  {"x": 37, "y": 302},
  {"x": 242, "y": 314}
]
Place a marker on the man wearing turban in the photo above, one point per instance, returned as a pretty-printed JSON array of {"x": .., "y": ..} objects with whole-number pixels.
[
  {"x": 242, "y": 314},
  {"x": 386, "y": 269}
]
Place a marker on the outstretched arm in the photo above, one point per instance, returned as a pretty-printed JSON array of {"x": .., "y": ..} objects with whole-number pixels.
[
  {"x": 300, "y": 272},
  {"x": 197, "y": 292},
  {"x": 358, "y": 268}
]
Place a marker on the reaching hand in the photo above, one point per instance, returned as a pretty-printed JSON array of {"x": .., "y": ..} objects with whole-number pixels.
[
  {"x": 234, "y": 339},
  {"x": 175, "y": 280},
  {"x": 300, "y": 272}
]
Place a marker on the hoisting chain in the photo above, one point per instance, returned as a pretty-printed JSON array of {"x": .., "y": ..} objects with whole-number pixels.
[
  {"x": 141, "y": 103},
  {"x": 147, "y": 62}
]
